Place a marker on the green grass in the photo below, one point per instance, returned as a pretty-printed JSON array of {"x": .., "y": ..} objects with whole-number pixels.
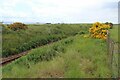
[
  {"x": 114, "y": 33},
  {"x": 114, "y": 36},
  {"x": 73, "y": 57},
  {"x": 76, "y": 57},
  {"x": 15, "y": 42}
]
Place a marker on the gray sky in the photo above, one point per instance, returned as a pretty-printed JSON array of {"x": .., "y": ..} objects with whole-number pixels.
[{"x": 67, "y": 11}]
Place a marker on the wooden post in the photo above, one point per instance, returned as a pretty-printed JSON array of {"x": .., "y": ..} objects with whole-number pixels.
[{"x": 108, "y": 42}]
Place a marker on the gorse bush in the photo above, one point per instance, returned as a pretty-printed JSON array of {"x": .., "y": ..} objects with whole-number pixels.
[
  {"x": 18, "y": 26},
  {"x": 99, "y": 30},
  {"x": 110, "y": 24}
]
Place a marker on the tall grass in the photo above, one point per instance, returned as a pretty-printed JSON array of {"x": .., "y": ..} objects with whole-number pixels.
[
  {"x": 15, "y": 42},
  {"x": 75, "y": 57},
  {"x": 114, "y": 33}
]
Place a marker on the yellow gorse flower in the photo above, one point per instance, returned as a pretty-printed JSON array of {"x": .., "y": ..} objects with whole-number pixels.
[{"x": 99, "y": 30}]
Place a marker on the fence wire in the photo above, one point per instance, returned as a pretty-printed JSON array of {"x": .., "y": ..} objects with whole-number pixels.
[{"x": 113, "y": 55}]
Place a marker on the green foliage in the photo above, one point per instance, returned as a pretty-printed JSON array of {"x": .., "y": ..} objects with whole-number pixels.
[
  {"x": 36, "y": 42},
  {"x": 15, "y": 42},
  {"x": 5, "y": 29},
  {"x": 114, "y": 34},
  {"x": 73, "y": 57},
  {"x": 44, "y": 54}
]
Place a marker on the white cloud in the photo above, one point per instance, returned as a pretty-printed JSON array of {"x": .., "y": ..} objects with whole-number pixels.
[{"x": 60, "y": 10}]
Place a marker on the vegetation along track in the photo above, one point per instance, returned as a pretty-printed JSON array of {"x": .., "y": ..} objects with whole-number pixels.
[
  {"x": 9, "y": 59},
  {"x": 12, "y": 58}
]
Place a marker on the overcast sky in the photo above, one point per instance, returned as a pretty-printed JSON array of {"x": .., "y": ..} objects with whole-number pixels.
[{"x": 54, "y": 11}]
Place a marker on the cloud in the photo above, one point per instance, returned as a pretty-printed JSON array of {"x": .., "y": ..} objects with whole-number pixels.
[{"x": 59, "y": 10}]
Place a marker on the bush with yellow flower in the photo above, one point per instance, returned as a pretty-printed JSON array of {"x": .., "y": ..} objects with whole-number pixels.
[
  {"x": 18, "y": 26},
  {"x": 99, "y": 30}
]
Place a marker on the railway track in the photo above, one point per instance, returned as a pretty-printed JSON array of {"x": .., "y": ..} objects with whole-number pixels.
[
  {"x": 4, "y": 61},
  {"x": 9, "y": 59}
]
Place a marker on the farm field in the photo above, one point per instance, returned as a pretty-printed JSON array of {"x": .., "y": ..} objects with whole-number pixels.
[{"x": 72, "y": 56}]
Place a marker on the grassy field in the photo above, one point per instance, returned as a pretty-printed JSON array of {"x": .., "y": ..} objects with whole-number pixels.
[
  {"x": 15, "y": 42},
  {"x": 114, "y": 33},
  {"x": 114, "y": 36},
  {"x": 73, "y": 57}
]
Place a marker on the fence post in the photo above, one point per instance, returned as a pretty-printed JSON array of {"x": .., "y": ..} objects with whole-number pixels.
[
  {"x": 112, "y": 49},
  {"x": 108, "y": 49},
  {"x": 108, "y": 41},
  {"x": 109, "y": 46}
]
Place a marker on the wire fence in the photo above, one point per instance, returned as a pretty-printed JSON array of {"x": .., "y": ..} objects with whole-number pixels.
[{"x": 113, "y": 55}]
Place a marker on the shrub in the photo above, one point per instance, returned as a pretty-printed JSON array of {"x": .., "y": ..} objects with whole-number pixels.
[
  {"x": 5, "y": 29},
  {"x": 110, "y": 24},
  {"x": 42, "y": 54},
  {"x": 17, "y": 26},
  {"x": 99, "y": 30},
  {"x": 35, "y": 42}
]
